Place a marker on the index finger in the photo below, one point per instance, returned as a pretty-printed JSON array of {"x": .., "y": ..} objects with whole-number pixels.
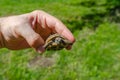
[{"x": 54, "y": 24}]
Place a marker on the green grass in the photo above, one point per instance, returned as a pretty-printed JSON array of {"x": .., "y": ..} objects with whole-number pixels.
[{"x": 95, "y": 55}]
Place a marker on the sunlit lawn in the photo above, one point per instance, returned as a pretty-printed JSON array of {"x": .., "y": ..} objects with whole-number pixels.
[{"x": 95, "y": 55}]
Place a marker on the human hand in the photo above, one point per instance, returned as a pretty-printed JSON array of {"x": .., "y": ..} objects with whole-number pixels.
[{"x": 30, "y": 30}]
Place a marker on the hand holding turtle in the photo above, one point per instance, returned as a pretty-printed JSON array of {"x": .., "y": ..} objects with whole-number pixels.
[{"x": 30, "y": 30}]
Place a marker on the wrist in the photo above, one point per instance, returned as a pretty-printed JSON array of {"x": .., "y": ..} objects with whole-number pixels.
[{"x": 1, "y": 38}]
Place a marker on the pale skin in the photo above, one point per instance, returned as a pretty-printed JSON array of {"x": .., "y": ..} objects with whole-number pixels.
[{"x": 30, "y": 30}]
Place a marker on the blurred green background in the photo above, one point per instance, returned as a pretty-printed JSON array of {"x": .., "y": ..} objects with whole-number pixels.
[{"x": 95, "y": 55}]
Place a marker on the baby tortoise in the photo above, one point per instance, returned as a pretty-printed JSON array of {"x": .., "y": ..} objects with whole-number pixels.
[{"x": 56, "y": 42}]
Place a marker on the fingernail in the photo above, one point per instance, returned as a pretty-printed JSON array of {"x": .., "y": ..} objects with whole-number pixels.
[{"x": 41, "y": 49}]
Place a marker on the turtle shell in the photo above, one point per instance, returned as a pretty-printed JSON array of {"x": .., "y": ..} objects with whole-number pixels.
[{"x": 56, "y": 42}]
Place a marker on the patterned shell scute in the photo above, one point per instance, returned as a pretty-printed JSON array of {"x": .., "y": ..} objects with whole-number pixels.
[{"x": 56, "y": 42}]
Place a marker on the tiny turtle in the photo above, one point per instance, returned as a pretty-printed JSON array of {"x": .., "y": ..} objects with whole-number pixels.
[{"x": 56, "y": 42}]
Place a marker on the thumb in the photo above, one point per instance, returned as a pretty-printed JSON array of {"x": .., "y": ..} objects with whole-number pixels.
[{"x": 33, "y": 39}]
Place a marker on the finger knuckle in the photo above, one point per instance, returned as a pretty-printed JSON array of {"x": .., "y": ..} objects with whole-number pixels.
[
  {"x": 38, "y": 11},
  {"x": 34, "y": 40}
]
